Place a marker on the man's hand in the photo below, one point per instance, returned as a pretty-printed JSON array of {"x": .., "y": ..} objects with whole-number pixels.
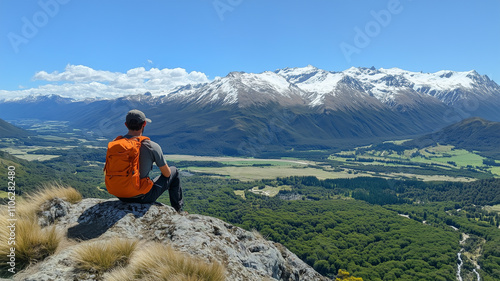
[{"x": 165, "y": 170}]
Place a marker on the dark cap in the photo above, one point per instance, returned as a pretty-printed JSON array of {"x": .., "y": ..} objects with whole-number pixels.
[{"x": 135, "y": 116}]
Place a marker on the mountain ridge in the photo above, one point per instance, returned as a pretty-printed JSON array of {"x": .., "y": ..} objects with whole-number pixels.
[
  {"x": 292, "y": 108},
  {"x": 430, "y": 83},
  {"x": 310, "y": 84},
  {"x": 8, "y": 130},
  {"x": 473, "y": 134}
]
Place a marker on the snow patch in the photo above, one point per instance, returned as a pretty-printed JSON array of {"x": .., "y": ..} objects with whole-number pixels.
[{"x": 266, "y": 80}]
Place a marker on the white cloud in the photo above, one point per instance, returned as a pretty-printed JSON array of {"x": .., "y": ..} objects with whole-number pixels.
[{"x": 80, "y": 82}]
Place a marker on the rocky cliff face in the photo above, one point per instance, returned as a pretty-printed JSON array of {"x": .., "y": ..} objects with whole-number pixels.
[{"x": 246, "y": 255}]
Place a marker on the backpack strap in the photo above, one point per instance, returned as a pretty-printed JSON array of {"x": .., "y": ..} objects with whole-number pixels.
[{"x": 143, "y": 138}]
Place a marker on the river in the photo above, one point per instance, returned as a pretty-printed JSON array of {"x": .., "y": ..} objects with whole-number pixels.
[{"x": 461, "y": 263}]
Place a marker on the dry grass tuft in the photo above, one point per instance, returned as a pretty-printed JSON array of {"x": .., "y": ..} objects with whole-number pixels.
[
  {"x": 120, "y": 274},
  {"x": 104, "y": 256},
  {"x": 55, "y": 190},
  {"x": 257, "y": 234},
  {"x": 159, "y": 262},
  {"x": 32, "y": 243},
  {"x": 30, "y": 206}
]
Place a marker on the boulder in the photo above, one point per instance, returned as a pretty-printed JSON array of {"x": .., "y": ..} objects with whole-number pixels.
[{"x": 245, "y": 254}]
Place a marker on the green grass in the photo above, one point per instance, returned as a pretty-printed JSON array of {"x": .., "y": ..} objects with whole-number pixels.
[
  {"x": 495, "y": 208},
  {"x": 460, "y": 156},
  {"x": 270, "y": 191},
  {"x": 240, "y": 193},
  {"x": 3, "y": 194},
  {"x": 495, "y": 170},
  {"x": 440, "y": 154}
]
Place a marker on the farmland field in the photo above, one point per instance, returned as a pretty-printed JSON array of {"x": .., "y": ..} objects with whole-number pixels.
[
  {"x": 22, "y": 152},
  {"x": 236, "y": 160},
  {"x": 446, "y": 157},
  {"x": 248, "y": 169},
  {"x": 249, "y": 173}
]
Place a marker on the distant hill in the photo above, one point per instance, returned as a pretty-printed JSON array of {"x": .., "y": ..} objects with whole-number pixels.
[
  {"x": 474, "y": 134},
  {"x": 31, "y": 175},
  {"x": 8, "y": 130}
]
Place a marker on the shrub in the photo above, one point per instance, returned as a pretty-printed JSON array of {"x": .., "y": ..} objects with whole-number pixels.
[{"x": 344, "y": 276}]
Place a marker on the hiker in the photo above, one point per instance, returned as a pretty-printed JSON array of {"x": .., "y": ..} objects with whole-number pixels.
[{"x": 130, "y": 158}]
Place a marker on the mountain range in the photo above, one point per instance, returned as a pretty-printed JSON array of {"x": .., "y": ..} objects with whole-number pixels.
[{"x": 291, "y": 108}]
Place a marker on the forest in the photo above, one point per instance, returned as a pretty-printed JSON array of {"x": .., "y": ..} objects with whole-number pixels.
[
  {"x": 331, "y": 231},
  {"x": 375, "y": 228}
]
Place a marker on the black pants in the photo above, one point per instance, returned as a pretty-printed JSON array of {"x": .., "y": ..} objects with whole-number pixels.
[{"x": 161, "y": 184}]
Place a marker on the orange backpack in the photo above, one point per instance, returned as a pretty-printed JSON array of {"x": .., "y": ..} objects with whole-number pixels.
[{"x": 121, "y": 170}]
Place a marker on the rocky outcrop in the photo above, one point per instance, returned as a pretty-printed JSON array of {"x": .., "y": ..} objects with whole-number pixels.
[{"x": 246, "y": 255}]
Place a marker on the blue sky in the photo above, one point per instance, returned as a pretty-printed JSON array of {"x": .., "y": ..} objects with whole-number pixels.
[{"x": 46, "y": 44}]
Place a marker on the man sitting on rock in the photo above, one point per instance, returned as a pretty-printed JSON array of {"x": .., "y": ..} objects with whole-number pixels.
[{"x": 130, "y": 158}]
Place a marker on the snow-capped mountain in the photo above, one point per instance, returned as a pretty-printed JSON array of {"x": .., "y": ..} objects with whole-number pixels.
[
  {"x": 310, "y": 108},
  {"x": 241, "y": 88},
  {"x": 316, "y": 87},
  {"x": 385, "y": 84}
]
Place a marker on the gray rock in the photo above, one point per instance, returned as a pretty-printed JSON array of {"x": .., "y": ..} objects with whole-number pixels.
[
  {"x": 51, "y": 210},
  {"x": 246, "y": 255}
]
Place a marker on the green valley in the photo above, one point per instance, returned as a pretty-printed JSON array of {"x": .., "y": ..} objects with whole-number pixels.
[{"x": 387, "y": 211}]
